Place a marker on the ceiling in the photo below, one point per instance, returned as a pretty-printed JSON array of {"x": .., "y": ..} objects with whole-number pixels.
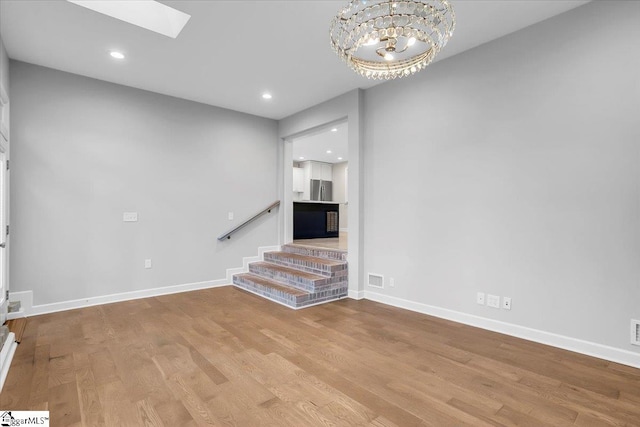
[
  {"x": 230, "y": 52},
  {"x": 316, "y": 146}
]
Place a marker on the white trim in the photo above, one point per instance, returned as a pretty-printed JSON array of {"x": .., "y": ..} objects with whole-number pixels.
[
  {"x": 124, "y": 296},
  {"x": 612, "y": 354},
  {"x": 28, "y": 309},
  {"x": 344, "y": 230},
  {"x": 356, "y": 294},
  {"x": 6, "y": 356},
  {"x": 247, "y": 260},
  {"x": 26, "y": 302}
]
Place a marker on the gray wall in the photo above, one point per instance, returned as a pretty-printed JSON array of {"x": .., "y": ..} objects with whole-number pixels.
[
  {"x": 85, "y": 151},
  {"x": 4, "y": 67},
  {"x": 513, "y": 169},
  {"x": 339, "y": 181}
]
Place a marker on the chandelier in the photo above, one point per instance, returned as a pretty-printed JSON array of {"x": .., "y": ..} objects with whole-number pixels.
[{"x": 383, "y": 39}]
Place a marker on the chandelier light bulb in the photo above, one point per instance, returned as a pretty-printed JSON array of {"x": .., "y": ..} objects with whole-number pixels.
[
  {"x": 425, "y": 26},
  {"x": 372, "y": 42}
]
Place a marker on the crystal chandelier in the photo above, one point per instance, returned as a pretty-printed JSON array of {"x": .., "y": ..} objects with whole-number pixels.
[{"x": 383, "y": 39}]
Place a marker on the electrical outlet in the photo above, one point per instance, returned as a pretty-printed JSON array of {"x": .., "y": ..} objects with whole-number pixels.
[
  {"x": 130, "y": 216},
  {"x": 230, "y": 216},
  {"x": 506, "y": 303},
  {"x": 147, "y": 263},
  {"x": 392, "y": 282},
  {"x": 480, "y": 298},
  {"x": 493, "y": 301}
]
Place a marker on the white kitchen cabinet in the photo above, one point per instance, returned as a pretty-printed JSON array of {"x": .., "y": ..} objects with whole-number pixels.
[
  {"x": 319, "y": 170},
  {"x": 326, "y": 173},
  {"x": 298, "y": 180}
]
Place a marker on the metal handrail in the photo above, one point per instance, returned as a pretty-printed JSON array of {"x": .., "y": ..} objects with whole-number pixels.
[{"x": 256, "y": 216}]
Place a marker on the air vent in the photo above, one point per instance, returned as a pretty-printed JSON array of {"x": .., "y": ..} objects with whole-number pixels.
[
  {"x": 635, "y": 332},
  {"x": 376, "y": 280}
]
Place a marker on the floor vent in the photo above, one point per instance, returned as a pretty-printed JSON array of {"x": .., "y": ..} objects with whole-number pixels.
[
  {"x": 376, "y": 280},
  {"x": 635, "y": 332}
]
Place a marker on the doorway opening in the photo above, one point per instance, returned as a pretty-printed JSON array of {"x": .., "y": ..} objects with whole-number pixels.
[{"x": 320, "y": 161}]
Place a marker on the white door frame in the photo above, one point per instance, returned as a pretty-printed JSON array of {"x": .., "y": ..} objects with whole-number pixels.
[{"x": 4, "y": 203}]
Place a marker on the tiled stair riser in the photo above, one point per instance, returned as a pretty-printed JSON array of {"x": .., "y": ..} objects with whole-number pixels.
[
  {"x": 298, "y": 281},
  {"x": 296, "y": 301},
  {"x": 298, "y": 276},
  {"x": 309, "y": 266}
]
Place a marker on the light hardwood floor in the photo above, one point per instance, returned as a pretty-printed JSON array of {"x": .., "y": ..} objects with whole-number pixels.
[
  {"x": 225, "y": 357},
  {"x": 327, "y": 243}
]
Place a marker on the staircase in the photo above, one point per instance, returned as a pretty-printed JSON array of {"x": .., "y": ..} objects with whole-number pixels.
[{"x": 297, "y": 276}]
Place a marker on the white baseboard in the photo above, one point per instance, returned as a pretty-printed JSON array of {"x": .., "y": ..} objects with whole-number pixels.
[
  {"x": 600, "y": 351},
  {"x": 356, "y": 294},
  {"x": 26, "y": 302},
  {"x": 28, "y": 309},
  {"x": 124, "y": 296},
  {"x": 247, "y": 260},
  {"x": 6, "y": 356},
  {"x": 343, "y": 230}
]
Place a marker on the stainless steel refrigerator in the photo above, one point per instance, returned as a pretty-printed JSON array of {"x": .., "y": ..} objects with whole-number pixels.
[{"x": 321, "y": 190}]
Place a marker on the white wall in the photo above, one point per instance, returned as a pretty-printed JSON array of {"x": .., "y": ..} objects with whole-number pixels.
[
  {"x": 85, "y": 151},
  {"x": 339, "y": 182},
  {"x": 514, "y": 169}
]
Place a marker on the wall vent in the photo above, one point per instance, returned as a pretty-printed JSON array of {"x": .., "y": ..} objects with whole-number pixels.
[
  {"x": 635, "y": 332},
  {"x": 376, "y": 280}
]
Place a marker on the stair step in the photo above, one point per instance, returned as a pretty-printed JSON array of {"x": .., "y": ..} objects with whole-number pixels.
[
  {"x": 316, "y": 265},
  {"x": 297, "y": 248},
  {"x": 293, "y": 277},
  {"x": 286, "y": 295}
]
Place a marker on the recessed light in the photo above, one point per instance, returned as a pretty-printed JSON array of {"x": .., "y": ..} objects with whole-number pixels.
[
  {"x": 334, "y": 130},
  {"x": 150, "y": 15},
  {"x": 339, "y": 158},
  {"x": 266, "y": 95},
  {"x": 301, "y": 158},
  {"x": 329, "y": 151},
  {"x": 117, "y": 55}
]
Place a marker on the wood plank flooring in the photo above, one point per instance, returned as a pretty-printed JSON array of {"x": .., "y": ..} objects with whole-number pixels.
[
  {"x": 225, "y": 357},
  {"x": 328, "y": 242}
]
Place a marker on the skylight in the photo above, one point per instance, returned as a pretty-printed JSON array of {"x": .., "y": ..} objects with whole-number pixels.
[{"x": 147, "y": 14}]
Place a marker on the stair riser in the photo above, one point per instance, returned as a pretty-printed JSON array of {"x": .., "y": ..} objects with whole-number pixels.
[
  {"x": 316, "y": 252},
  {"x": 298, "y": 282},
  {"x": 339, "y": 270},
  {"x": 290, "y": 300},
  {"x": 289, "y": 279},
  {"x": 272, "y": 294}
]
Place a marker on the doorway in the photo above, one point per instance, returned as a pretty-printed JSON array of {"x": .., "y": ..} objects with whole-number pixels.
[
  {"x": 344, "y": 108},
  {"x": 320, "y": 160}
]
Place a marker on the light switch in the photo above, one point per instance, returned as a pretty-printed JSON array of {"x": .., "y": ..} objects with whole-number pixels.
[{"x": 130, "y": 216}]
